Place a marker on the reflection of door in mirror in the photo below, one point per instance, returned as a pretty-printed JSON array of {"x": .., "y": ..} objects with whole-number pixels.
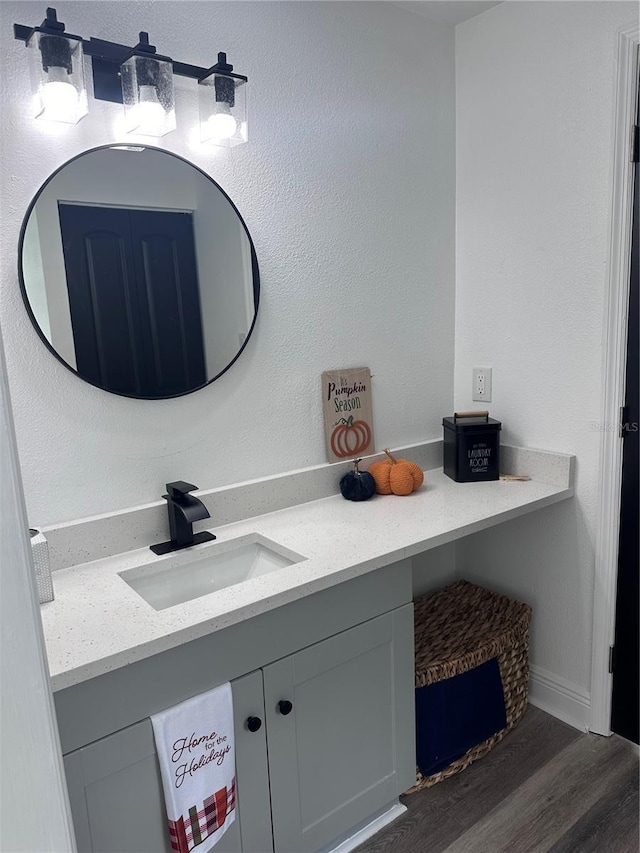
[
  {"x": 133, "y": 298},
  {"x": 156, "y": 288}
]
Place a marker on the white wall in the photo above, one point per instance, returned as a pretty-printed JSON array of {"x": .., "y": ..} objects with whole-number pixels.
[
  {"x": 346, "y": 186},
  {"x": 33, "y": 272},
  {"x": 34, "y": 813},
  {"x": 226, "y": 278},
  {"x": 535, "y": 86}
]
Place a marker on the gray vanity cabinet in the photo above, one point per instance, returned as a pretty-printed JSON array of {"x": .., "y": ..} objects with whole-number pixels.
[
  {"x": 331, "y": 678},
  {"x": 116, "y": 793}
]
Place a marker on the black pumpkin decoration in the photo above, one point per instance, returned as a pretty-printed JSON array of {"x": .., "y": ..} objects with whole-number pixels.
[{"x": 357, "y": 485}]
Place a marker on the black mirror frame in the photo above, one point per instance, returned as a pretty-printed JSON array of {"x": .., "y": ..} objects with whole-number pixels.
[{"x": 25, "y": 298}]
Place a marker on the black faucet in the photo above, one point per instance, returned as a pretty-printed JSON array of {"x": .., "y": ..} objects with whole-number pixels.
[{"x": 183, "y": 509}]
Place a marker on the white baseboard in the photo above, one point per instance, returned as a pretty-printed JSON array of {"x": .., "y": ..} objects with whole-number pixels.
[
  {"x": 561, "y": 698},
  {"x": 368, "y": 831}
]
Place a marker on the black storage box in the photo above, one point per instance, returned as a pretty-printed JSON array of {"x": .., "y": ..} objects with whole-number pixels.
[{"x": 471, "y": 447}]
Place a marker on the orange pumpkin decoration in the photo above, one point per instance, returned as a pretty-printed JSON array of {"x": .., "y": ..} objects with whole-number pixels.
[
  {"x": 396, "y": 476},
  {"x": 350, "y": 438}
]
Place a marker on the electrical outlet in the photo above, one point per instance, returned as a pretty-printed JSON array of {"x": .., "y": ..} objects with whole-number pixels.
[{"x": 481, "y": 384}]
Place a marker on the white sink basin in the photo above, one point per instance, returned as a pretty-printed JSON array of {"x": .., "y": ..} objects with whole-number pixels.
[{"x": 167, "y": 581}]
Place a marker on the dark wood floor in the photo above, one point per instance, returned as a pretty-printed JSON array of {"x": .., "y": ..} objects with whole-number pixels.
[{"x": 545, "y": 787}]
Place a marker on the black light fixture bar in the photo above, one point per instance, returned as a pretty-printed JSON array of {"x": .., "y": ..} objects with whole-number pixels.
[
  {"x": 199, "y": 73},
  {"x": 108, "y": 56}
]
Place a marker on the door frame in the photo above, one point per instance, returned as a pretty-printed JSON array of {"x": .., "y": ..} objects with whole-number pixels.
[
  {"x": 613, "y": 382},
  {"x": 36, "y": 815}
]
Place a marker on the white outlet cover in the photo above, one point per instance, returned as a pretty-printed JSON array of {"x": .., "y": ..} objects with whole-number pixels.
[{"x": 481, "y": 387}]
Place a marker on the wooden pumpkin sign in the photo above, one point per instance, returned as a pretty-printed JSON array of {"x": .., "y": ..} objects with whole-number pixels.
[{"x": 348, "y": 418}]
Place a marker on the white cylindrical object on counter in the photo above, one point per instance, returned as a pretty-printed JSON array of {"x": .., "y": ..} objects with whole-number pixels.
[{"x": 40, "y": 551}]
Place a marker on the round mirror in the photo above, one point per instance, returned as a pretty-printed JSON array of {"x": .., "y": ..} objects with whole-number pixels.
[{"x": 138, "y": 272}]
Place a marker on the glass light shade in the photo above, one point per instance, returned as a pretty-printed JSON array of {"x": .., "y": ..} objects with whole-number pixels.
[
  {"x": 57, "y": 72},
  {"x": 148, "y": 96},
  {"x": 223, "y": 110}
]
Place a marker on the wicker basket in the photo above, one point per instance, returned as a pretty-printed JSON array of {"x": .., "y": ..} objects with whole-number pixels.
[{"x": 461, "y": 627}]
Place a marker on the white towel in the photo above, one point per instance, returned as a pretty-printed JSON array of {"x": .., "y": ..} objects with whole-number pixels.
[{"x": 195, "y": 745}]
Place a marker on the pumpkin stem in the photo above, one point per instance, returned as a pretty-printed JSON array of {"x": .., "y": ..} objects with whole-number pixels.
[
  {"x": 356, "y": 462},
  {"x": 347, "y": 422},
  {"x": 389, "y": 454}
]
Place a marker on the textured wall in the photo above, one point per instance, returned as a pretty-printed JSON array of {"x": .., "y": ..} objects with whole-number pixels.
[
  {"x": 535, "y": 86},
  {"x": 347, "y": 187}
]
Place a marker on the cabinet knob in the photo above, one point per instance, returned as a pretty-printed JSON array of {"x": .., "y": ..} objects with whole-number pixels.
[
  {"x": 285, "y": 707},
  {"x": 253, "y": 723}
]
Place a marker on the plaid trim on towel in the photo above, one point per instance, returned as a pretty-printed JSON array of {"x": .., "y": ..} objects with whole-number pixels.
[{"x": 190, "y": 830}]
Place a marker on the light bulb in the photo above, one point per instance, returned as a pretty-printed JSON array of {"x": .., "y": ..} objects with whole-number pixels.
[
  {"x": 222, "y": 125},
  {"x": 151, "y": 115},
  {"x": 59, "y": 97}
]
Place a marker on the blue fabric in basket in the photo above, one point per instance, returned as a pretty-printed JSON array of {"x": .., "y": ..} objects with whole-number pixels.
[{"x": 457, "y": 713}]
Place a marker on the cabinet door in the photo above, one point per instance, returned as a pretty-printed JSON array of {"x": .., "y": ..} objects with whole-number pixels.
[
  {"x": 346, "y": 748},
  {"x": 116, "y": 792}
]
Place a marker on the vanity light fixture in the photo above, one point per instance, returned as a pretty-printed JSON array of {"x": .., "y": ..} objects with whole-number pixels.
[
  {"x": 136, "y": 77},
  {"x": 57, "y": 71},
  {"x": 223, "y": 105},
  {"x": 147, "y": 91}
]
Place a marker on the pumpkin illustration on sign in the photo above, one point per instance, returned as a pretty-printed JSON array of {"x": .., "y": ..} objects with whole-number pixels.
[
  {"x": 396, "y": 476},
  {"x": 350, "y": 437}
]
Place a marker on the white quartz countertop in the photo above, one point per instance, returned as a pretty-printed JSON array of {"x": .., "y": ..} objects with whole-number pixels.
[{"x": 98, "y": 623}]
